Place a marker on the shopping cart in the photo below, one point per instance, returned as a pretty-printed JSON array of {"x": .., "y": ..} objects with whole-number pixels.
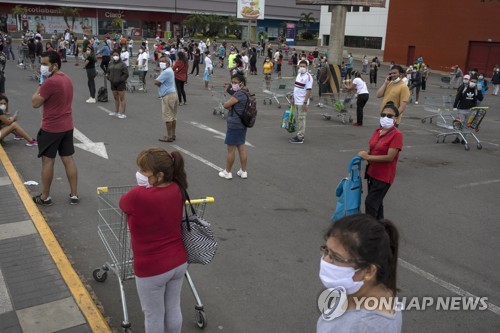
[
  {"x": 278, "y": 89},
  {"x": 338, "y": 106},
  {"x": 114, "y": 233},
  {"x": 441, "y": 109},
  {"x": 446, "y": 81},
  {"x": 22, "y": 56},
  {"x": 134, "y": 81},
  {"x": 220, "y": 95},
  {"x": 466, "y": 122}
]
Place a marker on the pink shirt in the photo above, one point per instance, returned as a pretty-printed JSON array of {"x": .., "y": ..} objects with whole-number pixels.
[{"x": 57, "y": 91}]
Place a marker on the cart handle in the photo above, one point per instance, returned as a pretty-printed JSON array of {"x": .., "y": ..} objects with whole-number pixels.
[{"x": 104, "y": 189}]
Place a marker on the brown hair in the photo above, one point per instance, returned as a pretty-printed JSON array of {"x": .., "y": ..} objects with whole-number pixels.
[
  {"x": 159, "y": 160},
  {"x": 370, "y": 241}
]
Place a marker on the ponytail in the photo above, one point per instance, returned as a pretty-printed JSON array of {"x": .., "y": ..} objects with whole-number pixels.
[
  {"x": 393, "y": 233},
  {"x": 179, "y": 173}
]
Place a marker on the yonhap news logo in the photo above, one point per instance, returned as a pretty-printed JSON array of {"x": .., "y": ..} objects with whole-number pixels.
[{"x": 332, "y": 303}]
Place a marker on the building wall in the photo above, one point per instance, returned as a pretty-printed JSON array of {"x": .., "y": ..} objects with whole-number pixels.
[
  {"x": 440, "y": 30},
  {"x": 368, "y": 24}
]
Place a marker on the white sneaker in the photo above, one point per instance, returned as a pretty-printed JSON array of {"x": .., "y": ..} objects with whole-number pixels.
[
  {"x": 141, "y": 89},
  {"x": 416, "y": 102},
  {"x": 225, "y": 174},
  {"x": 111, "y": 114},
  {"x": 242, "y": 174},
  {"x": 122, "y": 116},
  {"x": 91, "y": 100}
]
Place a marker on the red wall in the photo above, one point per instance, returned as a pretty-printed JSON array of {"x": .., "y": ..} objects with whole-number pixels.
[{"x": 440, "y": 30}]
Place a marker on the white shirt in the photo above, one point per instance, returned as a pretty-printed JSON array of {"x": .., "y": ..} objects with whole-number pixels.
[
  {"x": 202, "y": 47},
  {"x": 143, "y": 56},
  {"x": 303, "y": 82},
  {"x": 361, "y": 87},
  {"x": 125, "y": 57},
  {"x": 277, "y": 56},
  {"x": 245, "y": 62},
  {"x": 130, "y": 43},
  {"x": 208, "y": 63}
]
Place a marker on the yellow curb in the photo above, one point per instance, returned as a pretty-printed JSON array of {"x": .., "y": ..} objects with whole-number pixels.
[{"x": 82, "y": 297}]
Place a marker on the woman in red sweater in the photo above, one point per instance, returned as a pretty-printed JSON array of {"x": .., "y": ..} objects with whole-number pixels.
[
  {"x": 154, "y": 213},
  {"x": 180, "y": 69}
]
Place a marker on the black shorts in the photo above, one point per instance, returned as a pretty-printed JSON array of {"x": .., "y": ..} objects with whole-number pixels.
[
  {"x": 49, "y": 144},
  {"x": 278, "y": 67},
  {"x": 142, "y": 75},
  {"x": 118, "y": 86}
]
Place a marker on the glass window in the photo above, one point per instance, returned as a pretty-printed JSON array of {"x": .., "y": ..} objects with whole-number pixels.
[
  {"x": 355, "y": 8},
  {"x": 272, "y": 32},
  {"x": 366, "y": 8}
]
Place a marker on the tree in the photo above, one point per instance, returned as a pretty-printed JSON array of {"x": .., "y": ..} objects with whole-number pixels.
[
  {"x": 197, "y": 22},
  {"x": 69, "y": 12},
  {"x": 18, "y": 11},
  {"x": 307, "y": 19},
  {"x": 117, "y": 23}
]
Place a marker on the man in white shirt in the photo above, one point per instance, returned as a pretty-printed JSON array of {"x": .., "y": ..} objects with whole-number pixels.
[
  {"x": 124, "y": 55},
  {"x": 142, "y": 66},
  {"x": 276, "y": 57},
  {"x": 203, "y": 48},
  {"x": 362, "y": 91},
  {"x": 130, "y": 46},
  {"x": 301, "y": 94}
]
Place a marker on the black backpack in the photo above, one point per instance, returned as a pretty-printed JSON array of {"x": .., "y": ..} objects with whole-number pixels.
[
  {"x": 102, "y": 93},
  {"x": 250, "y": 114}
]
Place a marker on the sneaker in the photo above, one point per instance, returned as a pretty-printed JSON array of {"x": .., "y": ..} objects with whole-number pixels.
[
  {"x": 416, "y": 102},
  {"x": 39, "y": 201},
  {"x": 112, "y": 114},
  {"x": 357, "y": 124},
  {"x": 91, "y": 100},
  {"x": 296, "y": 140},
  {"x": 17, "y": 138},
  {"x": 122, "y": 116},
  {"x": 141, "y": 89},
  {"x": 242, "y": 174},
  {"x": 225, "y": 174},
  {"x": 73, "y": 199},
  {"x": 32, "y": 143}
]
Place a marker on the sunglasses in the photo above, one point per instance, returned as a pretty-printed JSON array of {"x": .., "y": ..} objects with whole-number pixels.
[{"x": 388, "y": 115}]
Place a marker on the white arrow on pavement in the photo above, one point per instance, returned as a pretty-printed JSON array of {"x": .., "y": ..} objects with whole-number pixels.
[
  {"x": 97, "y": 148},
  {"x": 219, "y": 135}
]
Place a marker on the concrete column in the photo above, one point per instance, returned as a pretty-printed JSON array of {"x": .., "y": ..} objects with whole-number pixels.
[{"x": 337, "y": 31}]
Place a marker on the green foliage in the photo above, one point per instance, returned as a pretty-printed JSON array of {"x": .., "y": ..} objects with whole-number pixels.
[
  {"x": 307, "y": 18},
  {"x": 18, "y": 10},
  {"x": 307, "y": 35},
  {"x": 69, "y": 12},
  {"x": 231, "y": 36},
  {"x": 209, "y": 25}
]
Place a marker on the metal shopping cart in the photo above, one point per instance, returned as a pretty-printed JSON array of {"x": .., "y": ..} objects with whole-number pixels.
[
  {"x": 220, "y": 95},
  {"x": 134, "y": 81},
  {"x": 114, "y": 233},
  {"x": 338, "y": 106},
  {"x": 22, "y": 56},
  {"x": 446, "y": 81},
  {"x": 441, "y": 109},
  {"x": 278, "y": 88},
  {"x": 466, "y": 122}
]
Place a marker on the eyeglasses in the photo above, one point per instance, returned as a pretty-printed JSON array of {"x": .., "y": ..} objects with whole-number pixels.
[
  {"x": 336, "y": 258},
  {"x": 388, "y": 115}
]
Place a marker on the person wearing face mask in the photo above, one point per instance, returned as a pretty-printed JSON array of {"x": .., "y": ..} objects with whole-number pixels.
[
  {"x": 360, "y": 259},
  {"x": 301, "y": 94},
  {"x": 457, "y": 76},
  {"x": 55, "y": 94},
  {"x": 209, "y": 68},
  {"x": 495, "y": 80},
  {"x": 89, "y": 66},
  {"x": 142, "y": 66},
  {"x": 154, "y": 212},
  {"x": 363, "y": 95},
  {"x": 169, "y": 99},
  {"x": 482, "y": 84},
  {"x": 396, "y": 91},
  {"x": 117, "y": 75},
  {"x": 236, "y": 130},
  {"x": 10, "y": 125},
  {"x": 468, "y": 96},
  {"x": 125, "y": 56},
  {"x": 267, "y": 70},
  {"x": 382, "y": 157}
]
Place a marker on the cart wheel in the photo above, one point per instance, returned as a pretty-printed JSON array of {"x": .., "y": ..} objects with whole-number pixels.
[
  {"x": 223, "y": 115},
  {"x": 437, "y": 140},
  {"x": 98, "y": 276},
  {"x": 270, "y": 102},
  {"x": 279, "y": 106},
  {"x": 201, "y": 318},
  {"x": 479, "y": 146},
  {"x": 466, "y": 147},
  {"x": 127, "y": 330},
  {"x": 423, "y": 120},
  {"x": 350, "y": 120},
  {"x": 264, "y": 102},
  {"x": 215, "y": 111},
  {"x": 430, "y": 120}
]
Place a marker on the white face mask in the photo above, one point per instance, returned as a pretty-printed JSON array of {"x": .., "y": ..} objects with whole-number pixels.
[
  {"x": 466, "y": 81},
  {"x": 142, "y": 180},
  {"x": 472, "y": 84},
  {"x": 481, "y": 77},
  {"x": 396, "y": 80},
  {"x": 44, "y": 70},
  {"x": 302, "y": 70},
  {"x": 3, "y": 107},
  {"x": 116, "y": 58},
  {"x": 337, "y": 276},
  {"x": 386, "y": 122},
  {"x": 163, "y": 65},
  {"x": 235, "y": 86}
]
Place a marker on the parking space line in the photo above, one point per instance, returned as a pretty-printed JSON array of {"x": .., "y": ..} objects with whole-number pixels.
[
  {"x": 219, "y": 134},
  {"x": 446, "y": 285},
  {"x": 104, "y": 109},
  {"x": 199, "y": 158},
  {"x": 485, "y": 182}
]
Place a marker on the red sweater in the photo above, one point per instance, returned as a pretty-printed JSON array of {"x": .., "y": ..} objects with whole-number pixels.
[
  {"x": 154, "y": 218},
  {"x": 379, "y": 145},
  {"x": 180, "y": 70}
]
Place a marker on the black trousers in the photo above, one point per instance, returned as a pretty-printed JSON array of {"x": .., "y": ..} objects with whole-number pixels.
[
  {"x": 196, "y": 65},
  {"x": 360, "y": 104},
  {"x": 91, "y": 74},
  {"x": 180, "y": 90},
  {"x": 374, "y": 200},
  {"x": 104, "y": 63}
]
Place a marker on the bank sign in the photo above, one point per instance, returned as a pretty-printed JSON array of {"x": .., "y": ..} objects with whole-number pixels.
[{"x": 366, "y": 3}]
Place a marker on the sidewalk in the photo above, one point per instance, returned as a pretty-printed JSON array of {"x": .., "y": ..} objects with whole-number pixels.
[{"x": 39, "y": 290}]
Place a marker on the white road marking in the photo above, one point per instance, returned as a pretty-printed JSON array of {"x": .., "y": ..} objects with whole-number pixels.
[
  {"x": 97, "y": 148},
  {"x": 446, "y": 285},
  {"x": 5, "y": 303},
  {"x": 219, "y": 135},
  {"x": 104, "y": 109},
  {"x": 485, "y": 182},
  {"x": 199, "y": 158}
]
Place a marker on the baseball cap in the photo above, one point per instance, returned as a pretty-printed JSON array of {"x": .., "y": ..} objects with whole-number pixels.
[{"x": 467, "y": 77}]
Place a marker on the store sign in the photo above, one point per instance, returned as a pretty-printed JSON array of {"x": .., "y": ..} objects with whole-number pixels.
[
  {"x": 119, "y": 14},
  {"x": 250, "y": 9},
  {"x": 42, "y": 11},
  {"x": 366, "y": 3},
  {"x": 290, "y": 33}
]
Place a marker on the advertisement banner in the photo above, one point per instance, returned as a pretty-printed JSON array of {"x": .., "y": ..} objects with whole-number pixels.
[
  {"x": 47, "y": 24},
  {"x": 290, "y": 34},
  {"x": 366, "y": 3},
  {"x": 250, "y": 9}
]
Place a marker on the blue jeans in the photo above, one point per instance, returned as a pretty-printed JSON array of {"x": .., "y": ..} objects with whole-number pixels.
[{"x": 9, "y": 51}]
